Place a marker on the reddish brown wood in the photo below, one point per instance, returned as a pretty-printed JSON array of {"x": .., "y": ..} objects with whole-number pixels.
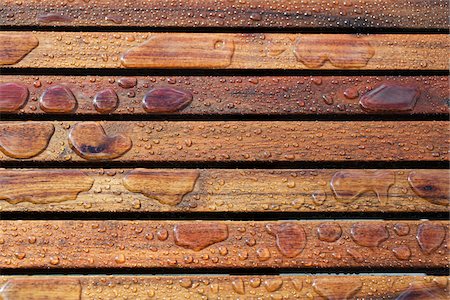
[
  {"x": 173, "y": 50},
  {"x": 234, "y": 95},
  {"x": 216, "y": 287},
  {"x": 225, "y": 13},
  {"x": 219, "y": 190},
  {"x": 224, "y": 141},
  {"x": 223, "y": 244}
]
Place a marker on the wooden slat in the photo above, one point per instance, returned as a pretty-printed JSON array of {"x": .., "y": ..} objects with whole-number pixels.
[
  {"x": 225, "y": 13},
  {"x": 223, "y": 244},
  {"x": 224, "y": 287},
  {"x": 222, "y": 50},
  {"x": 224, "y": 141},
  {"x": 217, "y": 190},
  {"x": 234, "y": 95}
]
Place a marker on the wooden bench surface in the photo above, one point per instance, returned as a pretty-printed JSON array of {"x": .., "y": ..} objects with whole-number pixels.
[{"x": 224, "y": 149}]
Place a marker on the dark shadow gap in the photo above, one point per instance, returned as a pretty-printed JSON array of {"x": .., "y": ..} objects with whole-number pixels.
[
  {"x": 223, "y": 216},
  {"x": 351, "y": 28},
  {"x": 224, "y": 271},
  {"x": 225, "y": 117},
  {"x": 230, "y": 164},
  {"x": 214, "y": 72}
]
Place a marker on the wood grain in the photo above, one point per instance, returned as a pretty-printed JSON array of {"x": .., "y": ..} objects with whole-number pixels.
[
  {"x": 222, "y": 50},
  {"x": 210, "y": 13},
  {"x": 228, "y": 95},
  {"x": 219, "y": 287},
  {"x": 223, "y": 190},
  {"x": 223, "y": 244},
  {"x": 224, "y": 141}
]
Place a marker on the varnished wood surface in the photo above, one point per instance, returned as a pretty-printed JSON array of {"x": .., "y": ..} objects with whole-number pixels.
[
  {"x": 230, "y": 95},
  {"x": 223, "y": 50},
  {"x": 218, "y": 190},
  {"x": 219, "y": 287},
  {"x": 223, "y": 244},
  {"x": 224, "y": 141},
  {"x": 211, "y": 13}
]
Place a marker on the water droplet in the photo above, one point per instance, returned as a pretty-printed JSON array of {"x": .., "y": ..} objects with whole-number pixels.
[
  {"x": 263, "y": 254},
  {"x": 162, "y": 234},
  {"x": 15, "y": 46},
  {"x": 389, "y": 97},
  {"x": 369, "y": 234},
  {"x": 199, "y": 235},
  {"x": 401, "y": 229},
  {"x": 273, "y": 285},
  {"x": 180, "y": 51},
  {"x": 43, "y": 186},
  {"x": 238, "y": 286},
  {"x": 290, "y": 238},
  {"x": 54, "y": 260},
  {"x": 430, "y": 237},
  {"x": 106, "y": 101},
  {"x": 334, "y": 288},
  {"x": 351, "y": 93},
  {"x": 13, "y": 96},
  {"x": 319, "y": 197},
  {"x": 166, "y": 100},
  {"x": 120, "y": 258},
  {"x": 402, "y": 252},
  {"x": 53, "y": 17},
  {"x": 348, "y": 185},
  {"x": 255, "y": 16},
  {"x": 166, "y": 186},
  {"x": 432, "y": 185},
  {"x": 343, "y": 51},
  {"x": 186, "y": 282},
  {"x": 419, "y": 291},
  {"x": 41, "y": 288},
  {"x": 127, "y": 82},
  {"x": 58, "y": 99},
  {"x": 329, "y": 232},
  {"x": 25, "y": 140},
  {"x": 89, "y": 140}
]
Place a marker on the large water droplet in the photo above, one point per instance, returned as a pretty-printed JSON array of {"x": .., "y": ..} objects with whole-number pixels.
[
  {"x": 199, "y": 235},
  {"x": 13, "y": 96}
]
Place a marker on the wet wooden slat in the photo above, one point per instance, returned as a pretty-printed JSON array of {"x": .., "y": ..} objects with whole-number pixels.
[
  {"x": 222, "y": 50},
  {"x": 223, "y": 13},
  {"x": 223, "y": 244},
  {"x": 219, "y": 287},
  {"x": 231, "y": 95},
  {"x": 224, "y": 141},
  {"x": 217, "y": 190}
]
